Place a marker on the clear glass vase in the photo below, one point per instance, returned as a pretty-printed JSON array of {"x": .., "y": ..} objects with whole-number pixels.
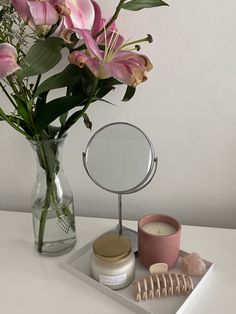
[{"x": 52, "y": 201}]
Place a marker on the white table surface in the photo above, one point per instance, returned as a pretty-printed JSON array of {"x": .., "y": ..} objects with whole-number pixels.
[{"x": 34, "y": 284}]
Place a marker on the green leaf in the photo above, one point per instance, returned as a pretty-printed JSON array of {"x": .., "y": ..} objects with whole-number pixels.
[
  {"x": 72, "y": 120},
  {"x": 71, "y": 75},
  {"x": 41, "y": 100},
  {"x": 105, "y": 86},
  {"x": 135, "y": 5},
  {"x": 87, "y": 121},
  {"x": 22, "y": 109},
  {"x": 95, "y": 98},
  {"x": 30, "y": 104},
  {"x": 63, "y": 118},
  {"x": 103, "y": 91},
  {"x": 52, "y": 131},
  {"x": 130, "y": 91},
  {"x": 87, "y": 81},
  {"x": 42, "y": 57},
  {"x": 48, "y": 112}
]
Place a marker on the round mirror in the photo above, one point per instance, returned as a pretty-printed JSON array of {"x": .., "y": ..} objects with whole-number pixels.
[{"x": 119, "y": 157}]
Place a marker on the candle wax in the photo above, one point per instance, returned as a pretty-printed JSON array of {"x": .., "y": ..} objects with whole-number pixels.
[{"x": 159, "y": 228}]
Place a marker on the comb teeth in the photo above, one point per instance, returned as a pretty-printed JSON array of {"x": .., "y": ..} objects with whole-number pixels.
[{"x": 162, "y": 284}]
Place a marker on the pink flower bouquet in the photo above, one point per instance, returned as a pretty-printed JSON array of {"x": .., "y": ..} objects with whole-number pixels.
[
  {"x": 98, "y": 59},
  {"x": 32, "y": 36}
]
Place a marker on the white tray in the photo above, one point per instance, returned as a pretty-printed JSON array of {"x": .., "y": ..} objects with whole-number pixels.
[{"x": 78, "y": 265}]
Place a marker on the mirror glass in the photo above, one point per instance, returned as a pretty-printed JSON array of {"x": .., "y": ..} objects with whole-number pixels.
[{"x": 119, "y": 157}]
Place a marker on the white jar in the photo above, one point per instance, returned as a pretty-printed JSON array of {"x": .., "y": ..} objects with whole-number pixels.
[{"x": 112, "y": 263}]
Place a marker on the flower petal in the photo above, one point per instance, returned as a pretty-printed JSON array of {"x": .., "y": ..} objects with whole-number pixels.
[
  {"x": 82, "y": 14},
  {"x": 97, "y": 24},
  {"x": 8, "y": 60},
  {"x": 134, "y": 57},
  {"x": 21, "y": 7},
  {"x": 43, "y": 13},
  {"x": 89, "y": 42},
  {"x": 123, "y": 55},
  {"x": 80, "y": 59},
  {"x": 60, "y": 30},
  {"x": 121, "y": 72},
  {"x": 129, "y": 67}
]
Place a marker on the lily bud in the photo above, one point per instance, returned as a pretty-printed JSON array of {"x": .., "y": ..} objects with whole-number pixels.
[
  {"x": 37, "y": 14},
  {"x": 8, "y": 60}
]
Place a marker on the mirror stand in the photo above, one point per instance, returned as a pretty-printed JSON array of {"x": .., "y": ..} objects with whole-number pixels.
[
  {"x": 120, "y": 159},
  {"x": 120, "y": 213}
]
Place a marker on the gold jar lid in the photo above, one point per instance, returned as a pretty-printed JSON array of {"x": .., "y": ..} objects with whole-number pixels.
[{"x": 112, "y": 247}]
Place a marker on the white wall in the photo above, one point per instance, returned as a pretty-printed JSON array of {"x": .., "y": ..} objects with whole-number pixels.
[{"x": 187, "y": 108}]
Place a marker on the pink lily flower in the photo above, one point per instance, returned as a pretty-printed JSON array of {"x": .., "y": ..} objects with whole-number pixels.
[
  {"x": 126, "y": 66},
  {"x": 38, "y": 13},
  {"x": 84, "y": 14},
  {"x": 8, "y": 60}
]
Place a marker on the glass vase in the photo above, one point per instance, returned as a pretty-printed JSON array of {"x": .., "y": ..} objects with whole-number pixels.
[{"x": 52, "y": 201}]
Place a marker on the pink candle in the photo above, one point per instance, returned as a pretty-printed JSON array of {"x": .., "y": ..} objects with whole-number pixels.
[{"x": 158, "y": 239}]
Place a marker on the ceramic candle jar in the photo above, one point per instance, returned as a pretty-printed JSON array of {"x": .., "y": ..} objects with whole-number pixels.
[
  {"x": 112, "y": 262},
  {"x": 158, "y": 239}
]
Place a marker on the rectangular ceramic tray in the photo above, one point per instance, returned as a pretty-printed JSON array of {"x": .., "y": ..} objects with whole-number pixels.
[{"x": 78, "y": 265}]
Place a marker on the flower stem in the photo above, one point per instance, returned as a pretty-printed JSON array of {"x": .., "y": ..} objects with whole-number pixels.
[
  {"x": 89, "y": 101},
  {"x": 49, "y": 184},
  {"x": 37, "y": 83},
  {"x": 43, "y": 217},
  {"x": 7, "y": 94}
]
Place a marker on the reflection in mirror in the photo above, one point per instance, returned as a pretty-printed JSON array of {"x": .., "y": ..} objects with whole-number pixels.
[{"x": 119, "y": 157}]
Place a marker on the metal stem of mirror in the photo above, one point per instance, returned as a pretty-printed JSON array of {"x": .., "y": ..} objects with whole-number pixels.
[{"x": 120, "y": 159}]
